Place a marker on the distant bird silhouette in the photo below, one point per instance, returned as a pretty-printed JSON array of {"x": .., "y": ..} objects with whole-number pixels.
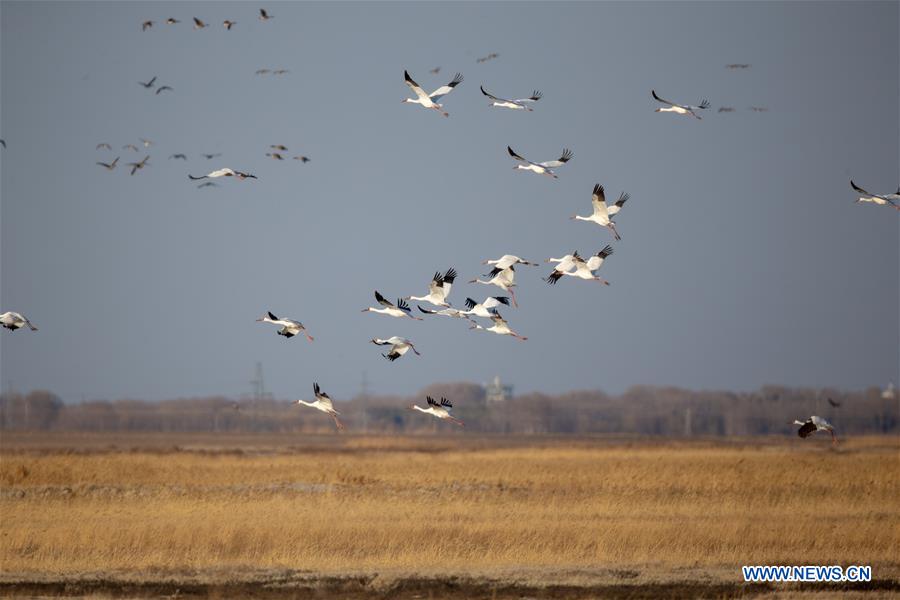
[
  {"x": 263, "y": 71},
  {"x": 211, "y": 156},
  {"x": 172, "y": 21},
  {"x": 208, "y": 184},
  {"x": 146, "y": 25},
  {"x": 109, "y": 166},
  {"x": 146, "y": 143},
  {"x": 264, "y": 16},
  {"x": 280, "y": 71},
  {"x": 228, "y": 24},
  {"x": 139, "y": 165},
  {"x": 305, "y": 159},
  {"x": 737, "y": 66},
  {"x": 180, "y": 156},
  {"x": 3, "y": 143},
  {"x": 131, "y": 147},
  {"x": 13, "y": 320},
  {"x": 226, "y": 172},
  {"x": 198, "y": 24},
  {"x": 275, "y": 155},
  {"x": 726, "y": 109},
  {"x": 435, "y": 70},
  {"x": 541, "y": 168},
  {"x": 759, "y": 109},
  {"x": 104, "y": 145},
  {"x": 149, "y": 84},
  {"x": 280, "y": 147},
  {"x": 484, "y": 59},
  {"x": 163, "y": 88},
  {"x": 680, "y": 109},
  {"x": 833, "y": 403}
]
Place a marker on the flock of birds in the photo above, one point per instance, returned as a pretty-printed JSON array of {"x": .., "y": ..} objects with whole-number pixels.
[{"x": 503, "y": 270}]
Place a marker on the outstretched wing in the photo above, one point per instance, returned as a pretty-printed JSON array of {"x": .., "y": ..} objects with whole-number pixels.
[
  {"x": 431, "y": 401},
  {"x": 447, "y": 281},
  {"x": 517, "y": 157},
  {"x": 807, "y": 428},
  {"x": 566, "y": 157},
  {"x": 859, "y": 189},
  {"x": 535, "y": 96},
  {"x": 658, "y": 99},
  {"x": 402, "y": 305},
  {"x": 493, "y": 97},
  {"x": 623, "y": 198},
  {"x": 382, "y": 300},
  {"x": 446, "y": 89},
  {"x": 598, "y": 200},
  {"x": 446, "y": 403},
  {"x": 415, "y": 87}
]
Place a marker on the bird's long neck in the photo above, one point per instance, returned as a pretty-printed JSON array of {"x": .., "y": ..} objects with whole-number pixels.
[
  {"x": 420, "y": 409},
  {"x": 307, "y": 403}
]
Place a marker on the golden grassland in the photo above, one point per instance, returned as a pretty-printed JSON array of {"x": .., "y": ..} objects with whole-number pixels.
[{"x": 446, "y": 504}]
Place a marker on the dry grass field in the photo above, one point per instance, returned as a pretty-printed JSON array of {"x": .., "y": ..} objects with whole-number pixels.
[{"x": 453, "y": 516}]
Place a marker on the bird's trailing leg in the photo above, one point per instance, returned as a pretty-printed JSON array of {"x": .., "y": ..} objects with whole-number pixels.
[
  {"x": 309, "y": 337},
  {"x": 337, "y": 423}
]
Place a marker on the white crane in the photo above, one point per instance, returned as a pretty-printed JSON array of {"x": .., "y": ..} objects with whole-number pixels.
[
  {"x": 485, "y": 309},
  {"x": 13, "y": 320},
  {"x": 542, "y": 168},
  {"x": 430, "y": 100},
  {"x": 601, "y": 215},
  {"x": 226, "y": 172},
  {"x": 441, "y": 410},
  {"x": 500, "y": 327},
  {"x": 503, "y": 279},
  {"x": 519, "y": 104},
  {"x": 438, "y": 289},
  {"x": 583, "y": 269},
  {"x": 507, "y": 260},
  {"x": 680, "y": 109},
  {"x": 446, "y": 312},
  {"x": 399, "y": 347},
  {"x": 289, "y": 327},
  {"x": 814, "y": 424},
  {"x": 877, "y": 199},
  {"x": 323, "y": 403},
  {"x": 401, "y": 309}
]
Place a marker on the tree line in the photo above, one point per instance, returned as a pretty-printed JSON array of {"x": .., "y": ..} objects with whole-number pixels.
[{"x": 643, "y": 410}]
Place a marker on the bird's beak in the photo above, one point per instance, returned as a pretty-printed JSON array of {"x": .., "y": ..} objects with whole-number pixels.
[
  {"x": 365, "y": 310},
  {"x": 258, "y": 320}
]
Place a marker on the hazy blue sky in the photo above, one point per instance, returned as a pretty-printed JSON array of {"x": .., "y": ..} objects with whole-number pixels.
[{"x": 744, "y": 260}]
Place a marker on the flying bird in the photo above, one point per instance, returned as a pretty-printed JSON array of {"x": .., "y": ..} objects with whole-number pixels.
[
  {"x": 877, "y": 199},
  {"x": 519, "y": 104},
  {"x": 226, "y": 172},
  {"x": 505, "y": 261},
  {"x": 759, "y": 109},
  {"x": 446, "y": 312},
  {"x": 485, "y": 309},
  {"x": 275, "y": 155},
  {"x": 146, "y": 25},
  {"x": 543, "y": 168},
  {"x": 726, "y": 109},
  {"x": 484, "y": 59},
  {"x": 601, "y": 215},
  {"x": 814, "y": 424},
  {"x": 135, "y": 166},
  {"x": 435, "y": 70},
  {"x": 149, "y": 84},
  {"x": 399, "y": 347},
  {"x": 323, "y": 403},
  {"x": 131, "y": 147},
  {"x": 109, "y": 166},
  {"x": 584, "y": 269},
  {"x": 211, "y": 156},
  {"x": 680, "y": 109},
  {"x": 3, "y": 143},
  {"x": 208, "y": 184},
  {"x": 172, "y": 21},
  {"x": 279, "y": 147},
  {"x": 441, "y": 410},
  {"x": 401, "y": 309},
  {"x": 500, "y": 327},
  {"x": 104, "y": 145},
  {"x": 289, "y": 327},
  {"x": 438, "y": 289},
  {"x": 263, "y": 71},
  {"x": 198, "y": 24},
  {"x": 228, "y": 24},
  {"x": 14, "y": 320},
  {"x": 179, "y": 155},
  {"x": 304, "y": 159},
  {"x": 737, "y": 66},
  {"x": 164, "y": 88},
  {"x": 147, "y": 143},
  {"x": 264, "y": 16},
  {"x": 834, "y": 403},
  {"x": 430, "y": 100},
  {"x": 503, "y": 279},
  {"x": 280, "y": 71}
]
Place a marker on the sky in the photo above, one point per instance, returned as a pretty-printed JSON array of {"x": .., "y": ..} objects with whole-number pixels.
[{"x": 743, "y": 261}]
